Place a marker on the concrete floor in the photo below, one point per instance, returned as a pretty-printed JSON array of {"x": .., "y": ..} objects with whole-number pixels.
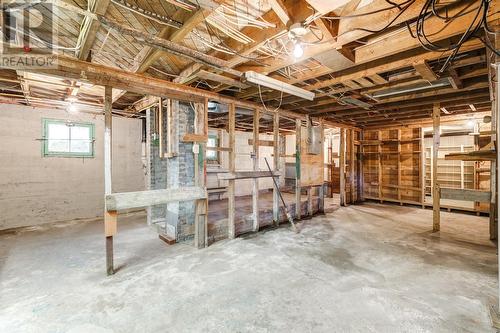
[{"x": 365, "y": 268}]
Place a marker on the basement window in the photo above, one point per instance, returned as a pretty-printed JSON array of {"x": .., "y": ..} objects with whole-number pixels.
[
  {"x": 67, "y": 139},
  {"x": 212, "y": 155}
]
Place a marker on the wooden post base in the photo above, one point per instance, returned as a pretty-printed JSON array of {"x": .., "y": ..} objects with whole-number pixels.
[{"x": 109, "y": 255}]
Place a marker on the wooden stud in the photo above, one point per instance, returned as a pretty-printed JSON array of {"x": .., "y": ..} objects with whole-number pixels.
[
  {"x": 436, "y": 115},
  {"x": 110, "y": 223},
  {"x": 352, "y": 168},
  {"x": 230, "y": 187},
  {"x": 379, "y": 160},
  {"x": 422, "y": 168},
  {"x": 160, "y": 128},
  {"x": 309, "y": 201},
  {"x": 298, "y": 188},
  {"x": 321, "y": 189},
  {"x": 361, "y": 178},
  {"x": 342, "y": 166},
  {"x": 276, "y": 160},
  {"x": 399, "y": 166},
  {"x": 255, "y": 191}
]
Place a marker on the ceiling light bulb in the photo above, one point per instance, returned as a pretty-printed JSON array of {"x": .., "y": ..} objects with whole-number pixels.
[
  {"x": 470, "y": 123},
  {"x": 298, "y": 51}
]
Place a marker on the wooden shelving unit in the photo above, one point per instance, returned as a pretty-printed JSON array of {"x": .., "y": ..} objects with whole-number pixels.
[{"x": 391, "y": 165}]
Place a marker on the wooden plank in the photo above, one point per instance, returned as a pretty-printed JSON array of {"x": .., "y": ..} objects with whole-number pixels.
[
  {"x": 247, "y": 175},
  {"x": 281, "y": 10},
  {"x": 298, "y": 153},
  {"x": 222, "y": 79},
  {"x": 255, "y": 162},
  {"x": 465, "y": 194},
  {"x": 436, "y": 209},
  {"x": 342, "y": 166},
  {"x": 425, "y": 71},
  {"x": 352, "y": 169},
  {"x": 192, "y": 137},
  {"x": 265, "y": 143},
  {"x": 89, "y": 28},
  {"x": 422, "y": 167},
  {"x": 276, "y": 164},
  {"x": 139, "y": 199},
  {"x": 110, "y": 224},
  {"x": 231, "y": 206}
]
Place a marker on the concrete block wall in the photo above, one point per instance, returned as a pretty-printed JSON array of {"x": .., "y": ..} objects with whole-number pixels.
[{"x": 35, "y": 190}]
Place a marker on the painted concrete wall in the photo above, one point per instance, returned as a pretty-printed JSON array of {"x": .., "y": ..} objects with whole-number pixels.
[{"x": 36, "y": 189}]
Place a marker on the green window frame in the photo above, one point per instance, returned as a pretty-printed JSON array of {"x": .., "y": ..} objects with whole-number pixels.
[
  {"x": 48, "y": 147},
  {"x": 212, "y": 155}
]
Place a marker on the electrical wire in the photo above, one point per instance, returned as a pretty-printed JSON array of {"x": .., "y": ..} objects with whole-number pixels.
[{"x": 478, "y": 22}]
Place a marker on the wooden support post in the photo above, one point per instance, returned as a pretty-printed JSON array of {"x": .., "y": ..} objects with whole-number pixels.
[
  {"x": 298, "y": 188},
  {"x": 200, "y": 223},
  {"x": 332, "y": 165},
  {"x": 321, "y": 189},
  {"x": 379, "y": 147},
  {"x": 255, "y": 191},
  {"x": 109, "y": 217},
  {"x": 309, "y": 201},
  {"x": 361, "y": 178},
  {"x": 352, "y": 168},
  {"x": 399, "y": 166},
  {"x": 422, "y": 168},
  {"x": 494, "y": 174},
  {"x": 342, "y": 166},
  {"x": 276, "y": 160},
  {"x": 436, "y": 207},
  {"x": 161, "y": 152},
  {"x": 230, "y": 187}
]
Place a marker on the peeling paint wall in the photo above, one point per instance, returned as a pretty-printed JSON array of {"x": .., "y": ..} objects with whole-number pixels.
[{"x": 36, "y": 190}]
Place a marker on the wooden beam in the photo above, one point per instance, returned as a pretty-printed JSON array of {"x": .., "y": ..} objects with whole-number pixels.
[
  {"x": 140, "y": 199},
  {"x": 109, "y": 214},
  {"x": 83, "y": 71},
  {"x": 436, "y": 205},
  {"x": 231, "y": 205},
  {"x": 255, "y": 151},
  {"x": 280, "y": 9},
  {"x": 247, "y": 175},
  {"x": 342, "y": 167},
  {"x": 425, "y": 71},
  {"x": 465, "y": 194},
  {"x": 276, "y": 164},
  {"x": 298, "y": 153},
  {"x": 222, "y": 79},
  {"x": 89, "y": 28}
]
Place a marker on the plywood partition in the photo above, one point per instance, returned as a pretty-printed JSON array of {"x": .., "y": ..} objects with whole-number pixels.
[{"x": 391, "y": 165}]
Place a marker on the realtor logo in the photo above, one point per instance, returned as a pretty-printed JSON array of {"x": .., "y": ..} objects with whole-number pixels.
[{"x": 28, "y": 35}]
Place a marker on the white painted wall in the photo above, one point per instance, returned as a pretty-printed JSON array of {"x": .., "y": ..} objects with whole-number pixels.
[{"x": 36, "y": 189}]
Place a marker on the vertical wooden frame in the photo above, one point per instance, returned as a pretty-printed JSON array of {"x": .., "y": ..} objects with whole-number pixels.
[
  {"x": 352, "y": 167},
  {"x": 255, "y": 191},
  {"x": 109, "y": 217},
  {"x": 298, "y": 155},
  {"x": 399, "y": 166},
  {"x": 342, "y": 166},
  {"x": 435, "y": 154},
  {"x": 276, "y": 163},
  {"x": 422, "y": 168},
  {"x": 361, "y": 178},
  {"x": 379, "y": 160},
  {"x": 230, "y": 187},
  {"x": 321, "y": 188}
]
